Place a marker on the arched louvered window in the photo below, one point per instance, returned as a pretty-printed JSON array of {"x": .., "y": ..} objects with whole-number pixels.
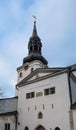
[
  {"x": 57, "y": 128},
  {"x": 26, "y": 128}
]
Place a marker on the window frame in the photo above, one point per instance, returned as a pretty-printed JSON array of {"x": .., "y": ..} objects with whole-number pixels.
[
  {"x": 46, "y": 91},
  {"x": 27, "y": 95},
  {"x": 52, "y": 90},
  {"x": 40, "y": 115},
  {"x": 7, "y": 126},
  {"x": 26, "y": 128},
  {"x": 49, "y": 91},
  {"x": 20, "y": 74},
  {"x": 30, "y": 95}
]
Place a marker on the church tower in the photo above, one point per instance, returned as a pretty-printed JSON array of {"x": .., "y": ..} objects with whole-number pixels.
[
  {"x": 46, "y": 96},
  {"x": 34, "y": 59}
]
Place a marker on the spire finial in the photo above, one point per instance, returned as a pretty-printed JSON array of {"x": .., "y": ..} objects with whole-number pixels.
[
  {"x": 34, "y": 34},
  {"x": 34, "y": 18}
]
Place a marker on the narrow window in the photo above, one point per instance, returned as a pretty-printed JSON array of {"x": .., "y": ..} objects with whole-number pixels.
[
  {"x": 52, "y": 106},
  {"x": 35, "y": 48},
  {"x": 40, "y": 115},
  {"x": 20, "y": 75},
  {"x": 27, "y": 95},
  {"x": 7, "y": 126},
  {"x": 52, "y": 90},
  {"x": 57, "y": 128},
  {"x": 32, "y": 94},
  {"x": 40, "y": 49},
  {"x": 43, "y": 106},
  {"x": 30, "y": 48},
  {"x": 46, "y": 91},
  {"x": 26, "y": 128}
]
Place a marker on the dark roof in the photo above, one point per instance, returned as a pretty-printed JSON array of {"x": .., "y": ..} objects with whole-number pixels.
[
  {"x": 34, "y": 48},
  {"x": 8, "y": 106},
  {"x": 8, "y": 113},
  {"x": 34, "y": 56},
  {"x": 52, "y": 72}
]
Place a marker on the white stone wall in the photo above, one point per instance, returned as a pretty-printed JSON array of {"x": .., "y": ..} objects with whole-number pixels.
[
  {"x": 52, "y": 117},
  {"x": 7, "y": 119}
]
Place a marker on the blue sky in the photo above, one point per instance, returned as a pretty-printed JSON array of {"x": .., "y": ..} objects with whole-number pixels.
[{"x": 56, "y": 26}]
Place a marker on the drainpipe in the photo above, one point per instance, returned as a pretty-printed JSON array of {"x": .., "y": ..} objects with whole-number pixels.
[
  {"x": 70, "y": 112},
  {"x": 69, "y": 71},
  {"x": 15, "y": 121}
]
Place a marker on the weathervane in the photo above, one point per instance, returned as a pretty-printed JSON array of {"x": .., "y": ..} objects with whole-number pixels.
[{"x": 34, "y": 19}]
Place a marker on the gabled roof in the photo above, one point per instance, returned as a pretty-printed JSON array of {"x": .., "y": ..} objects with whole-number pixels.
[
  {"x": 35, "y": 75},
  {"x": 47, "y": 72},
  {"x": 8, "y": 106}
]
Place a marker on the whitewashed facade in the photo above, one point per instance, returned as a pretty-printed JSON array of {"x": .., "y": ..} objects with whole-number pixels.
[
  {"x": 45, "y": 97},
  {"x": 55, "y": 108}
]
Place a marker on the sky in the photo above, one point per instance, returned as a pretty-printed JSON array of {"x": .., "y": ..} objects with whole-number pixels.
[{"x": 56, "y": 26}]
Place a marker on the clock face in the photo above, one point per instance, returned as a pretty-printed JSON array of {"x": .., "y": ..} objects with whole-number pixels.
[{"x": 26, "y": 67}]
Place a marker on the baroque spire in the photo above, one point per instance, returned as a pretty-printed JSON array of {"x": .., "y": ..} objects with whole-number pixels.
[{"x": 34, "y": 47}]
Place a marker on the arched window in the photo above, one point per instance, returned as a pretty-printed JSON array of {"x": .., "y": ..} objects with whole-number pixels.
[
  {"x": 35, "y": 47},
  {"x": 40, "y": 128},
  {"x": 26, "y": 67},
  {"x": 20, "y": 74},
  {"x": 30, "y": 48},
  {"x": 26, "y": 128},
  {"x": 40, "y": 115},
  {"x": 57, "y": 128},
  {"x": 40, "y": 49}
]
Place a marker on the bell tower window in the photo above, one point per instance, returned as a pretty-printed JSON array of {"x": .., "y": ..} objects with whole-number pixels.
[
  {"x": 40, "y": 50},
  {"x": 35, "y": 47},
  {"x": 30, "y": 49}
]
